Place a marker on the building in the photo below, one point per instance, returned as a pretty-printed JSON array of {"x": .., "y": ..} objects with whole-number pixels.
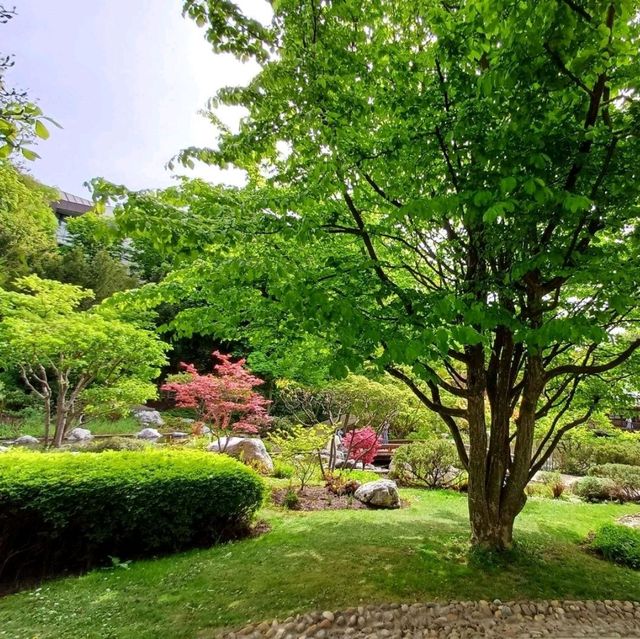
[{"x": 68, "y": 206}]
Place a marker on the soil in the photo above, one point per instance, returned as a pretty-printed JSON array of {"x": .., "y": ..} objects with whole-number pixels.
[{"x": 318, "y": 498}]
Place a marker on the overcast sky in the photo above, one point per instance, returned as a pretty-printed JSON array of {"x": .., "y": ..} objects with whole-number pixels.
[{"x": 125, "y": 79}]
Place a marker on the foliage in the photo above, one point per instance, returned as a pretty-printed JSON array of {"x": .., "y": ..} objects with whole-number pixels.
[
  {"x": 362, "y": 445},
  {"x": 72, "y": 510},
  {"x": 445, "y": 199},
  {"x": 76, "y": 362},
  {"x": 300, "y": 448},
  {"x": 341, "y": 484},
  {"x": 283, "y": 470},
  {"x": 554, "y": 482},
  {"x": 620, "y": 544},
  {"x": 291, "y": 500},
  {"x": 27, "y": 223},
  {"x": 224, "y": 400},
  {"x": 114, "y": 443},
  {"x": 626, "y": 479},
  {"x": 429, "y": 462},
  {"x": 21, "y": 120},
  {"x": 595, "y": 489},
  {"x": 586, "y": 447}
]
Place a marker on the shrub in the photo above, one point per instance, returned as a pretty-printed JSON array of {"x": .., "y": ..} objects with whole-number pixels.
[
  {"x": 71, "y": 511},
  {"x": 620, "y": 544},
  {"x": 626, "y": 479},
  {"x": 282, "y": 470},
  {"x": 114, "y": 443},
  {"x": 555, "y": 484},
  {"x": 429, "y": 463},
  {"x": 362, "y": 445},
  {"x": 363, "y": 476},
  {"x": 291, "y": 500},
  {"x": 341, "y": 485},
  {"x": 594, "y": 489},
  {"x": 300, "y": 448}
]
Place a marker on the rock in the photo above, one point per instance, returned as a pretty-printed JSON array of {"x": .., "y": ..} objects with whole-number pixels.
[
  {"x": 248, "y": 450},
  {"x": 3, "y": 449},
  {"x": 148, "y": 433},
  {"x": 79, "y": 435},
  {"x": 148, "y": 417},
  {"x": 178, "y": 435},
  {"x": 26, "y": 440},
  {"x": 382, "y": 493}
]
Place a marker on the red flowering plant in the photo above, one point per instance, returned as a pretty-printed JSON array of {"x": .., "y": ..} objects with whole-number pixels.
[
  {"x": 362, "y": 445},
  {"x": 225, "y": 401}
]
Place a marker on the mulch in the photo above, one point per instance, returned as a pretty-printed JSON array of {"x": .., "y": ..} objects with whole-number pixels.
[{"x": 318, "y": 498}]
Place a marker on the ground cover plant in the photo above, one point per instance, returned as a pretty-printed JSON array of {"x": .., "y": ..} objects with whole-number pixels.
[
  {"x": 620, "y": 544},
  {"x": 65, "y": 511},
  {"x": 329, "y": 560}
]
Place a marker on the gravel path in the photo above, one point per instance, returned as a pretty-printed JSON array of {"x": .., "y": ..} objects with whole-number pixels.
[{"x": 458, "y": 620}]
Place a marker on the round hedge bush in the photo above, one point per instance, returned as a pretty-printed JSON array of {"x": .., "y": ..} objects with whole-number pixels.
[{"x": 62, "y": 511}]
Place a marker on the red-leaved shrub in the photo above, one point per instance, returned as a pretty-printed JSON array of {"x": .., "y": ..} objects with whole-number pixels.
[{"x": 362, "y": 445}]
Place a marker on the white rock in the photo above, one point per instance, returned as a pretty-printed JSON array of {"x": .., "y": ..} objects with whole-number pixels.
[
  {"x": 148, "y": 433},
  {"x": 178, "y": 435},
  {"x": 26, "y": 440},
  {"x": 148, "y": 417},
  {"x": 382, "y": 493},
  {"x": 247, "y": 450},
  {"x": 79, "y": 435},
  {"x": 4, "y": 449}
]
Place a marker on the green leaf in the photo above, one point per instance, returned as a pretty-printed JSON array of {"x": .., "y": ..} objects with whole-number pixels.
[
  {"x": 41, "y": 130},
  {"x": 507, "y": 185},
  {"x": 29, "y": 154}
]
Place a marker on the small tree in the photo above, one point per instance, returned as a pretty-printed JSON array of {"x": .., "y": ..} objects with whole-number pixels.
[
  {"x": 301, "y": 448},
  {"x": 429, "y": 462},
  {"x": 77, "y": 362},
  {"x": 362, "y": 445},
  {"x": 225, "y": 400}
]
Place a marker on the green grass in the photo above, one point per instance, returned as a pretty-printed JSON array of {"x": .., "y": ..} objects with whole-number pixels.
[
  {"x": 34, "y": 425},
  {"x": 329, "y": 559}
]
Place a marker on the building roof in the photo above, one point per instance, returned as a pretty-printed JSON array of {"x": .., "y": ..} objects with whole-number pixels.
[{"x": 71, "y": 205}]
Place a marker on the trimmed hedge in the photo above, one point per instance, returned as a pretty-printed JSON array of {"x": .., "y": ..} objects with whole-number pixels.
[
  {"x": 595, "y": 489},
  {"x": 620, "y": 544},
  {"x": 62, "y": 511}
]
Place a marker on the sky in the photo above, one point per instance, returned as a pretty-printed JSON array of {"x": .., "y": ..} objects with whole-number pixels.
[{"x": 125, "y": 79}]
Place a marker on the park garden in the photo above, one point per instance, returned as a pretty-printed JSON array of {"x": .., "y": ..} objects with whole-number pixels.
[{"x": 387, "y": 387}]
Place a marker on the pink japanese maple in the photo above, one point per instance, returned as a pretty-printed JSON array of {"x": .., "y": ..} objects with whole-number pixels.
[
  {"x": 224, "y": 400},
  {"x": 362, "y": 445}
]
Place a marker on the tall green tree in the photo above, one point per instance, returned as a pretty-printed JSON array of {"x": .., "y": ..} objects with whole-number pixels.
[
  {"x": 27, "y": 224},
  {"x": 447, "y": 190}
]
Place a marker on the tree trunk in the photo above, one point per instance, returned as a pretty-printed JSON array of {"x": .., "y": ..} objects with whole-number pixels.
[{"x": 488, "y": 532}]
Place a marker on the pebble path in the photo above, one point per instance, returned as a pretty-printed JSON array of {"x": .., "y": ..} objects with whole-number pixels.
[{"x": 458, "y": 620}]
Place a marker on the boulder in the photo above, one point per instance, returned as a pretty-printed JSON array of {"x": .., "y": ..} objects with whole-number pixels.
[
  {"x": 178, "y": 435},
  {"x": 382, "y": 493},
  {"x": 4, "y": 449},
  {"x": 79, "y": 435},
  {"x": 148, "y": 433},
  {"x": 148, "y": 417},
  {"x": 248, "y": 450},
  {"x": 26, "y": 440}
]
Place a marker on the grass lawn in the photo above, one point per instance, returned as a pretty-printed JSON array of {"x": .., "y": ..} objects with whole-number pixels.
[
  {"x": 321, "y": 560},
  {"x": 34, "y": 426}
]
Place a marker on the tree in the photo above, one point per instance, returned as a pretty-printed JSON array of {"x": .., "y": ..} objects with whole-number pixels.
[
  {"x": 21, "y": 120},
  {"x": 27, "y": 224},
  {"x": 77, "y": 362},
  {"x": 225, "y": 401},
  {"x": 447, "y": 191}
]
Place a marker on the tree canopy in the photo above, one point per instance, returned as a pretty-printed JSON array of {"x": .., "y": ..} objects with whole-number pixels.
[{"x": 447, "y": 191}]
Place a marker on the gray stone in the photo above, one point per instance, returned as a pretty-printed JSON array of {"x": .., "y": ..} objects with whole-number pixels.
[
  {"x": 148, "y": 433},
  {"x": 178, "y": 435},
  {"x": 4, "y": 449},
  {"x": 26, "y": 440},
  {"x": 148, "y": 417},
  {"x": 79, "y": 435},
  {"x": 382, "y": 493},
  {"x": 248, "y": 450}
]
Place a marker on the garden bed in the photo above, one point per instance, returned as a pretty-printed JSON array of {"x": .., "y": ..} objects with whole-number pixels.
[{"x": 318, "y": 498}]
